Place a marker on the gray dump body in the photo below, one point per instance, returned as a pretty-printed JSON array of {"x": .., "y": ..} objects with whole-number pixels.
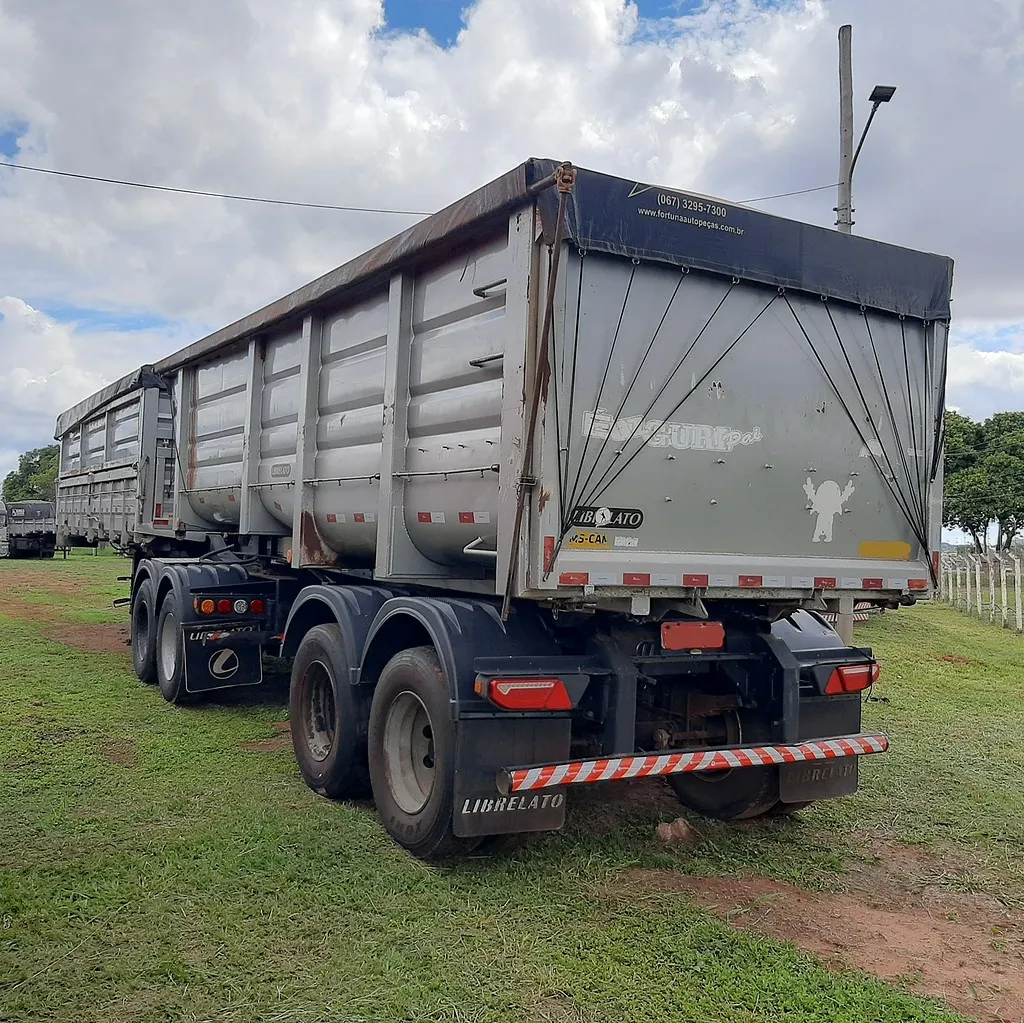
[{"x": 738, "y": 405}]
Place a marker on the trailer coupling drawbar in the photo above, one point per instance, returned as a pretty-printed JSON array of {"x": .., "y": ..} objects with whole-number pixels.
[{"x": 577, "y": 772}]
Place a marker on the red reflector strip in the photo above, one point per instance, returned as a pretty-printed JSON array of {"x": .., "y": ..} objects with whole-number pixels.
[
  {"x": 466, "y": 518},
  {"x": 574, "y": 579},
  {"x": 917, "y": 584},
  {"x": 636, "y": 579},
  {"x": 549, "y": 553},
  {"x": 692, "y": 635},
  {"x": 422, "y": 516},
  {"x": 695, "y": 580},
  {"x": 824, "y": 582},
  {"x": 160, "y": 522},
  {"x": 577, "y": 772},
  {"x": 872, "y": 584},
  {"x": 332, "y": 518},
  {"x": 750, "y": 580},
  {"x": 359, "y": 517}
]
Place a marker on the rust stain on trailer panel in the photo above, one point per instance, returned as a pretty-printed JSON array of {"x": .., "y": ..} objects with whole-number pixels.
[{"x": 312, "y": 549}]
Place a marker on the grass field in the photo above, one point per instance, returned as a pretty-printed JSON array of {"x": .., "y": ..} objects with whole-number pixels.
[{"x": 159, "y": 863}]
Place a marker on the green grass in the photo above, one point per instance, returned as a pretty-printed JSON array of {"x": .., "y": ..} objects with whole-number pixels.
[{"x": 153, "y": 869}]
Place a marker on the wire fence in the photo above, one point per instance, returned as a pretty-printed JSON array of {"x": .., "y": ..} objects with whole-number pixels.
[{"x": 985, "y": 585}]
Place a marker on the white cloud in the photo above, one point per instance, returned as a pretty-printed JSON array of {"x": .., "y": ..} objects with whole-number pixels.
[
  {"x": 48, "y": 366},
  {"x": 314, "y": 100}
]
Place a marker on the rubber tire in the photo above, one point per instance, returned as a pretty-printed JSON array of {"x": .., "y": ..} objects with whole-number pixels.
[
  {"x": 144, "y": 645},
  {"x": 172, "y": 688},
  {"x": 740, "y": 794},
  {"x": 345, "y": 773},
  {"x": 427, "y": 834}
]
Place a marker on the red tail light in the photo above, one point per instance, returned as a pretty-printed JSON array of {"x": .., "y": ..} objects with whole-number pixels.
[
  {"x": 257, "y": 607},
  {"x": 852, "y": 678},
  {"x": 527, "y": 693},
  {"x": 224, "y": 607}
]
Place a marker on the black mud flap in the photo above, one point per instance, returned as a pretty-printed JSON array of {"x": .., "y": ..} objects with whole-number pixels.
[
  {"x": 818, "y": 779},
  {"x": 222, "y": 656},
  {"x": 483, "y": 747},
  {"x": 822, "y": 717}
]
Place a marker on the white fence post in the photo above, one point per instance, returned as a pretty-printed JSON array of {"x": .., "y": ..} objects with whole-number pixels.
[
  {"x": 970, "y": 583},
  {"x": 963, "y": 594},
  {"x": 990, "y": 562},
  {"x": 979, "y": 602},
  {"x": 1016, "y": 593},
  {"x": 1004, "y": 608}
]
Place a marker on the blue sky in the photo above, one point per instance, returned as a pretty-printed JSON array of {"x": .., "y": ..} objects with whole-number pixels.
[
  {"x": 442, "y": 18},
  {"x": 10, "y": 132}
]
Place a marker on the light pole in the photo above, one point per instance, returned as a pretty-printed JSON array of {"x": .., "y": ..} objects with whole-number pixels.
[{"x": 847, "y": 154}]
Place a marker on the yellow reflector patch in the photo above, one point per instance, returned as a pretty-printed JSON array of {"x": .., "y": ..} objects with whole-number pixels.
[
  {"x": 581, "y": 540},
  {"x": 886, "y": 550}
]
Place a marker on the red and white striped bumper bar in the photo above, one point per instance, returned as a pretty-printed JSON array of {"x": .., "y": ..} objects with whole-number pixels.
[{"x": 577, "y": 772}]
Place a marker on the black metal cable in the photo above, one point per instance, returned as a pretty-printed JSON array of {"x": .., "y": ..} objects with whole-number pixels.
[
  {"x": 888, "y": 401},
  {"x": 940, "y": 415},
  {"x": 670, "y": 378},
  {"x": 910, "y": 407},
  {"x": 867, "y": 408},
  {"x": 696, "y": 385},
  {"x": 897, "y": 494},
  {"x": 604, "y": 380},
  {"x": 632, "y": 383},
  {"x": 572, "y": 381},
  {"x": 914, "y": 527}
]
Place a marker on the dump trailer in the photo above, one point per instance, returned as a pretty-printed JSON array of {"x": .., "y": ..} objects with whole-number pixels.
[
  {"x": 28, "y": 529},
  {"x": 551, "y": 489}
]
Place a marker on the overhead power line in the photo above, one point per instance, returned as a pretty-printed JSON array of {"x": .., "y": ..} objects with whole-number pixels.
[
  {"x": 308, "y": 205},
  {"x": 783, "y": 195},
  {"x": 213, "y": 195}
]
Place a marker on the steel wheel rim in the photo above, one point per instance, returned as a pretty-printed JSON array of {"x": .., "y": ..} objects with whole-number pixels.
[
  {"x": 140, "y": 630},
  {"x": 409, "y": 752},
  {"x": 169, "y": 647},
  {"x": 320, "y": 711}
]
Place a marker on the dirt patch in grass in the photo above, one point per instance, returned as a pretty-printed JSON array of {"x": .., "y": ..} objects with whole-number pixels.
[
  {"x": 606, "y": 809},
  {"x": 955, "y": 659},
  {"x": 105, "y": 638},
  {"x": 278, "y": 744},
  {"x": 976, "y": 965},
  {"x": 122, "y": 752}
]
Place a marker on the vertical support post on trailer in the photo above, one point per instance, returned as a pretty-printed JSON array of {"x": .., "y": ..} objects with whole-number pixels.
[
  {"x": 304, "y": 537},
  {"x": 253, "y": 517},
  {"x": 396, "y": 553},
  {"x": 185, "y": 515}
]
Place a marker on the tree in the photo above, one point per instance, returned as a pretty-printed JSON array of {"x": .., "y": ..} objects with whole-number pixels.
[
  {"x": 984, "y": 465},
  {"x": 35, "y": 479}
]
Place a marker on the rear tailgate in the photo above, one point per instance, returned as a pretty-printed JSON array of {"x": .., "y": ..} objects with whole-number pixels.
[{"x": 735, "y": 438}]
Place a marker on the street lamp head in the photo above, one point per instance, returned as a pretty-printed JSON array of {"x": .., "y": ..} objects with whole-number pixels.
[{"x": 882, "y": 93}]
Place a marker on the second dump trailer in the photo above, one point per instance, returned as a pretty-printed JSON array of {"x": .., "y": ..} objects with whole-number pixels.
[
  {"x": 547, "y": 490},
  {"x": 28, "y": 529}
]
